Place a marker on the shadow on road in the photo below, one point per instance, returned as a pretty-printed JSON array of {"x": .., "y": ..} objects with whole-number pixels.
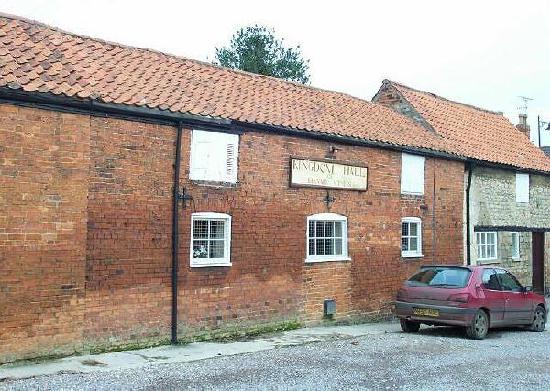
[{"x": 457, "y": 332}]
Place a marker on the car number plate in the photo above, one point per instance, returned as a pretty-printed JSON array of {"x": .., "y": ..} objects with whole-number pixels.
[{"x": 426, "y": 312}]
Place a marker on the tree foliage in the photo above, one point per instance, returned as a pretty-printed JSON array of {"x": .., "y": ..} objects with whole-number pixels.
[{"x": 256, "y": 49}]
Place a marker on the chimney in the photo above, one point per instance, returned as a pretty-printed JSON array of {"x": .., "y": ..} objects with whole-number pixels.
[{"x": 523, "y": 127}]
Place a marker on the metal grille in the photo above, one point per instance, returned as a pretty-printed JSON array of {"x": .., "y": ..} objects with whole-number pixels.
[
  {"x": 209, "y": 238},
  {"x": 325, "y": 237}
]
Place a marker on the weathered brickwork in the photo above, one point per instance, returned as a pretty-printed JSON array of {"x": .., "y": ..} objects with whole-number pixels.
[
  {"x": 44, "y": 159},
  {"x": 493, "y": 196},
  {"x": 118, "y": 255}
]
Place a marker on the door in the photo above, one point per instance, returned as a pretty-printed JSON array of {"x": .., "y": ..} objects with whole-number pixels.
[
  {"x": 538, "y": 262},
  {"x": 494, "y": 297},
  {"x": 517, "y": 307}
]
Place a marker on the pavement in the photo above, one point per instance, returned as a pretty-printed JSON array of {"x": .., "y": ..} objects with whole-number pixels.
[
  {"x": 371, "y": 356},
  {"x": 134, "y": 359}
]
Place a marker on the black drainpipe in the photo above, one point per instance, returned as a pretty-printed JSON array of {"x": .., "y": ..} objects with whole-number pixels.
[
  {"x": 468, "y": 239},
  {"x": 175, "y": 244}
]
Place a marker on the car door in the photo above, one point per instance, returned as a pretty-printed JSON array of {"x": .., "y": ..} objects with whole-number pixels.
[
  {"x": 493, "y": 297},
  {"x": 517, "y": 307}
]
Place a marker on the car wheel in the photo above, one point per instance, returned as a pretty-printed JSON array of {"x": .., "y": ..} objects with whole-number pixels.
[
  {"x": 539, "y": 319},
  {"x": 479, "y": 327},
  {"x": 409, "y": 326}
]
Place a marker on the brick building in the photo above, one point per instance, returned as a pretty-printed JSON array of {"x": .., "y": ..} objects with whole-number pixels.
[
  {"x": 146, "y": 197},
  {"x": 95, "y": 253},
  {"x": 507, "y": 186}
]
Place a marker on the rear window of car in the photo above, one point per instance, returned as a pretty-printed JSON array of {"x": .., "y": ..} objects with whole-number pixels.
[{"x": 442, "y": 277}]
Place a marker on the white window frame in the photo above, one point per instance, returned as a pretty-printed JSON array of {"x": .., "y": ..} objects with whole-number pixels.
[
  {"x": 328, "y": 258},
  {"x": 221, "y": 163},
  {"x": 413, "y": 168},
  {"x": 206, "y": 262},
  {"x": 479, "y": 244},
  {"x": 418, "y": 252},
  {"x": 522, "y": 187},
  {"x": 516, "y": 245}
]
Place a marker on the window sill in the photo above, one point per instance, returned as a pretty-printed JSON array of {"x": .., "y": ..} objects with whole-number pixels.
[
  {"x": 317, "y": 260},
  {"x": 216, "y": 184},
  {"x": 412, "y": 195},
  {"x": 412, "y": 255},
  {"x": 213, "y": 264},
  {"x": 495, "y": 261}
]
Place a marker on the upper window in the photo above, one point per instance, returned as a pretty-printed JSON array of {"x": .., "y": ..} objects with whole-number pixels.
[
  {"x": 411, "y": 237},
  {"x": 522, "y": 187},
  {"x": 214, "y": 156},
  {"x": 327, "y": 237},
  {"x": 515, "y": 245},
  {"x": 486, "y": 245},
  {"x": 210, "y": 239},
  {"x": 412, "y": 174}
]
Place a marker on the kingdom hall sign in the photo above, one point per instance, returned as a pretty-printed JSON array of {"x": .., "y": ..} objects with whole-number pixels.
[{"x": 325, "y": 174}]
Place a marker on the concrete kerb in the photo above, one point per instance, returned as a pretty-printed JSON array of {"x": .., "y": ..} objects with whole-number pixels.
[{"x": 189, "y": 352}]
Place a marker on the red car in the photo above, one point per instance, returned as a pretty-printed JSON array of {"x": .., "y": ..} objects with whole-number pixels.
[{"x": 475, "y": 297}]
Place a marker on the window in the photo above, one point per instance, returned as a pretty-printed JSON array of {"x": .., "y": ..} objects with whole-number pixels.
[
  {"x": 210, "y": 239},
  {"x": 442, "y": 277},
  {"x": 327, "y": 237},
  {"x": 522, "y": 187},
  {"x": 412, "y": 174},
  {"x": 515, "y": 245},
  {"x": 486, "y": 245},
  {"x": 411, "y": 237},
  {"x": 507, "y": 281},
  {"x": 214, "y": 156},
  {"x": 489, "y": 280}
]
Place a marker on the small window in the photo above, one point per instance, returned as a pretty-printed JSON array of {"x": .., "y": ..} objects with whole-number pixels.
[
  {"x": 210, "y": 239},
  {"x": 515, "y": 245},
  {"x": 489, "y": 280},
  {"x": 327, "y": 237},
  {"x": 522, "y": 187},
  {"x": 412, "y": 174},
  {"x": 486, "y": 246},
  {"x": 214, "y": 156},
  {"x": 411, "y": 237}
]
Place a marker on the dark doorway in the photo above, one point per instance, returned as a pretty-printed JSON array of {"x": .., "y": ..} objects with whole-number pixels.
[{"x": 538, "y": 262}]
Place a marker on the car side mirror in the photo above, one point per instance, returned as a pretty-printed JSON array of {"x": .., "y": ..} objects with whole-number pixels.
[{"x": 526, "y": 289}]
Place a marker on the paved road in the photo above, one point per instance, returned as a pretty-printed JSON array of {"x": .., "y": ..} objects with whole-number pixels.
[{"x": 434, "y": 359}]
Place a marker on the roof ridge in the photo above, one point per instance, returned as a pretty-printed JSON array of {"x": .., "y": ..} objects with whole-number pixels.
[
  {"x": 500, "y": 113},
  {"x": 203, "y": 63}
]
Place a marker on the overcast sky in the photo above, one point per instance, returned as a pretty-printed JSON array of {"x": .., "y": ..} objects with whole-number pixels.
[{"x": 486, "y": 53}]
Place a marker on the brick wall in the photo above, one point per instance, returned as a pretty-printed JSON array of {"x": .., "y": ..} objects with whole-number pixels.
[
  {"x": 44, "y": 160},
  {"x": 123, "y": 253}
]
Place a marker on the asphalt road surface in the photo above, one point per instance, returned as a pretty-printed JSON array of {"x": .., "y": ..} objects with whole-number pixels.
[{"x": 434, "y": 359}]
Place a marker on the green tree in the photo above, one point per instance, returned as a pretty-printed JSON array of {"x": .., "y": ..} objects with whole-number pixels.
[{"x": 256, "y": 49}]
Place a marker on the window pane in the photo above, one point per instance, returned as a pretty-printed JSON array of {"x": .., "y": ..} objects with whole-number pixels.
[
  {"x": 413, "y": 227},
  {"x": 329, "y": 246},
  {"x": 200, "y": 248},
  {"x": 320, "y": 246},
  {"x": 483, "y": 252},
  {"x": 311, "y": 250},
  {"x": 338, "y": 229},
  {"x": 490, "y": 238},
  {"x": 405, "y": 229},
  {"x": 404, "y": 244},
  {"x": 413, "y": 244},
  {"x": 338, "y": 247},
  {"x": 217, "y": 248},
  {"x": 491, "y": 251},
  {"x": 200, "y": 229},
  {"x": 508, "y": 282},
  {"x": 320, "y": 229},
  {"x": 329, "y": 229},
  {"x": 217, "y": 229},
  {"x": 312, "y": 229}
]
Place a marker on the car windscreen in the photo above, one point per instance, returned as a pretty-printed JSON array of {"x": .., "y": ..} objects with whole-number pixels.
[{"x": 443, "y": 277}]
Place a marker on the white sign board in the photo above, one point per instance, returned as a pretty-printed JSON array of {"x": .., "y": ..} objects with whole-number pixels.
[{"x": 325, "y": 174}]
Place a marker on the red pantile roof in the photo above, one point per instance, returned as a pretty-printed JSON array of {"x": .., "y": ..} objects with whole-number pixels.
[
  {"x": 42, "y": 59},
  {"x": 474, "y": 132}
]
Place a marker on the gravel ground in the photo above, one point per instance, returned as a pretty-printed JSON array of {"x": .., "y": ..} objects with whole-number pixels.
[{"x": 434, "y": 359}]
